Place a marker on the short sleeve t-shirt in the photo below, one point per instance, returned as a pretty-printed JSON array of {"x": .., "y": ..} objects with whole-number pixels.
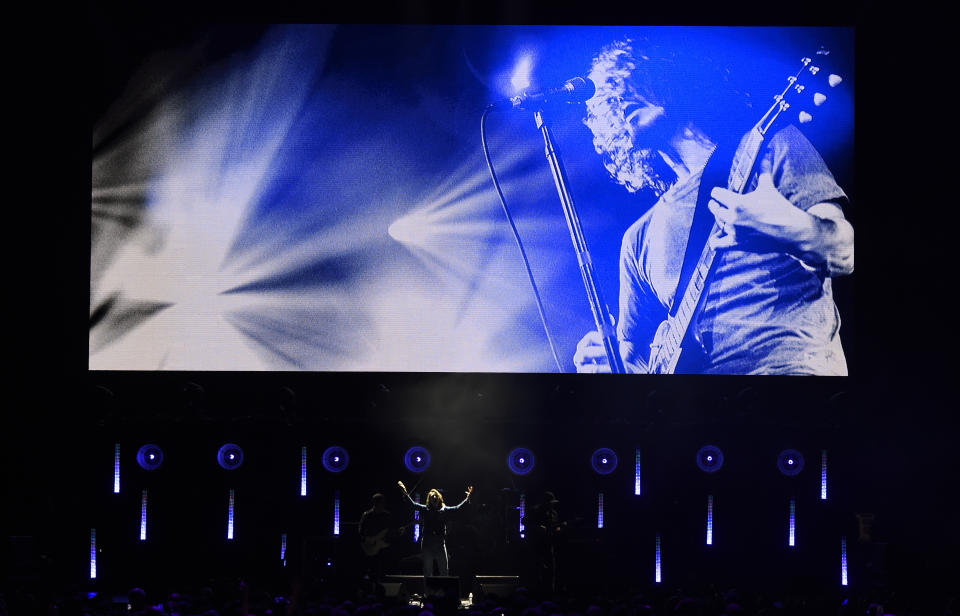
[{"x": 763, "y": 312}]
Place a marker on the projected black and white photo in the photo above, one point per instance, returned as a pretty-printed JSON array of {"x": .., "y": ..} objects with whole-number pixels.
[{"x": 451, "y": 198}]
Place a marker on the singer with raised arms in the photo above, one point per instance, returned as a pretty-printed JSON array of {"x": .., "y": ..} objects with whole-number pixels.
[
  {"x": 775, "y": 234},
  {"x": 433, "y": 520}
]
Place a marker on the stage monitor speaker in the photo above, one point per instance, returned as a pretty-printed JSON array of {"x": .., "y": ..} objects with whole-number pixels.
[
  {"x": 500, "y": 586},
  {"x": 395, "y": 592},
  {"x": 443, "y": 592},
  {"x": 442, "y": 587},
  {"x": 412, "y": 584}
]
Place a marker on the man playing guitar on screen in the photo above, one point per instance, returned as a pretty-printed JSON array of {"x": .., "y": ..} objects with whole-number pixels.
[{"x": 759, "y": 300}]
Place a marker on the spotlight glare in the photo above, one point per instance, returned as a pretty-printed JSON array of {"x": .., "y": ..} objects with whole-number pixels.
[
  {"x": 709, "y": 458},
  {"x": 603, "y": 461},
  {"x": 520, "y": 78},
  {"x": 230, "y": 456},
  {"x": 790, "y": 462},
  {"x": 149, "y": 457},
  {"x": 335, "y": 459},
  {"x": 520, "y": 461},
  {"x": 417, "y": 459}
]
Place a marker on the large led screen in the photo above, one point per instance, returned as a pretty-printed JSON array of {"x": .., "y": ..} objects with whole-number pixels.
[{"x": 474, "y": 199}]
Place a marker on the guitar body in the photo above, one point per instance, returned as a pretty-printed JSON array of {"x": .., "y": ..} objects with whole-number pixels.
[
  {"x": 674, "y": 348},
  {"x": 373, "y": 544}
]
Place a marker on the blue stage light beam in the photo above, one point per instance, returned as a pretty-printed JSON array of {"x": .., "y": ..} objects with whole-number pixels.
[
  {"x": 523, "y": 515},
  {"x": 116, "y": 468},
  {"x": 600, "y": 510},
  {"x": 637, "y": 486},
  {"x": 843, "y": 562},
  {"x": 303, "y": 471},
  {"x": 657, "y": 572},
  {"x": 231, "y": 503},
  {"x": 336, "y": 513},
  {"x": 93, "y": 553},
  {"x": 792, "y": 524},
  {"x": 283, "y": 547},
  {"x": 710, "y": 519},
  {"x": 416, "y": 517},
  {"x": 143, "y": 516},
  {"x": 823, "y": 475}
]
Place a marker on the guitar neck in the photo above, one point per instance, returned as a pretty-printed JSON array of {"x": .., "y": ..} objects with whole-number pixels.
[{"x": 686, "y": 308}]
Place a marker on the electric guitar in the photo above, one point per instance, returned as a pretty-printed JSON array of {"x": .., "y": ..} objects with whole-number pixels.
[
  {"x": 373, "y": 544},
  {"x": 672, "y": 336}
]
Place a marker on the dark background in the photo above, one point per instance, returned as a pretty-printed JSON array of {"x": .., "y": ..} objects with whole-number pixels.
[{"x": 888, "y": 427}]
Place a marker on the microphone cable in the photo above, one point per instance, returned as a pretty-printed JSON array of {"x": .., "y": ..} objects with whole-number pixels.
[{"x": 516, "y": 236}]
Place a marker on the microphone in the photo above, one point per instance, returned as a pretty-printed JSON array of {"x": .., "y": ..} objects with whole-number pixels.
[{"x": 575, "y": 90}]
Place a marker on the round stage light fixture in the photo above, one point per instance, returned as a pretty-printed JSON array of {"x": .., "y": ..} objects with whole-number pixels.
[
  {"x": 230, "y": 456},
  {"x": 335, "y": 459},
  {"x": 417, "y": 459},
  {"x": 709, "y": 458},
  {"x": 790, "y": 462},
  {"x": 520, "y": 461},
  {"x": 603, "y": 461},
  {"x": 150, "y": 457}
]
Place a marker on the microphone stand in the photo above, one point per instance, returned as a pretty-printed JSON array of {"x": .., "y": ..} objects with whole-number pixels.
[{"x": 597, "y": 305}]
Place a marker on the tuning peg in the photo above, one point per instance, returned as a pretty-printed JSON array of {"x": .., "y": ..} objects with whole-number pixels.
[
  {"x": 799, "y": 88},
  {"x": 818, "y": 99},
  {"x": 814, "y": 70},
  {"x": 805, "y": 117},
  {"x": 834, "y": 80},
  {"x": 823, "y": 51}
]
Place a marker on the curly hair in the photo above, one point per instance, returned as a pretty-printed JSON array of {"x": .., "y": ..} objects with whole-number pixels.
[{"x": 691, "y": 87}]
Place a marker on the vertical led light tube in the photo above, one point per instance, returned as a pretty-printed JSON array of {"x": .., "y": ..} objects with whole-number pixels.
[
  {"x": 792, "y": 532},
  {"x": 600, "y": 510},
  {"x": 843, "y": 561},
  {"x": 283, "y": 546},
  {"x": 230, "y": 511},
  {"x": 710, "y": 519},
  {"x": 657, "y": 577},
  {"x": 416, "y": 516},
  {"x": 336, "y": 512},
  {"x": 303, "y": 471},
  {"x": 116, "y": 468},
  {"x": 523, "y": 514},
  {"x": 823, "y": 475},
  {"x": 143, "y": 516},
  {"x": 637, "y": 488},
  {"x": 93, "y": 553}
]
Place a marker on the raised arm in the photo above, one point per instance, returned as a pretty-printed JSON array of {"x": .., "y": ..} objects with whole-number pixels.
[
  {"x": 464, "y": 501},
  {"x": 403, "y": 489}
]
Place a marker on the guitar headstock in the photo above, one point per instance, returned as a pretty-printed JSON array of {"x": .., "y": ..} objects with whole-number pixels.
[{"x": 806, "y": 88}]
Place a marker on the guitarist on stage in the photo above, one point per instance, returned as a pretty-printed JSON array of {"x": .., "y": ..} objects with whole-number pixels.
[
  {"x": 376, "y": 528},
  {"x": 544, "y": 527},
  {"x": 768, "y": 307}
]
